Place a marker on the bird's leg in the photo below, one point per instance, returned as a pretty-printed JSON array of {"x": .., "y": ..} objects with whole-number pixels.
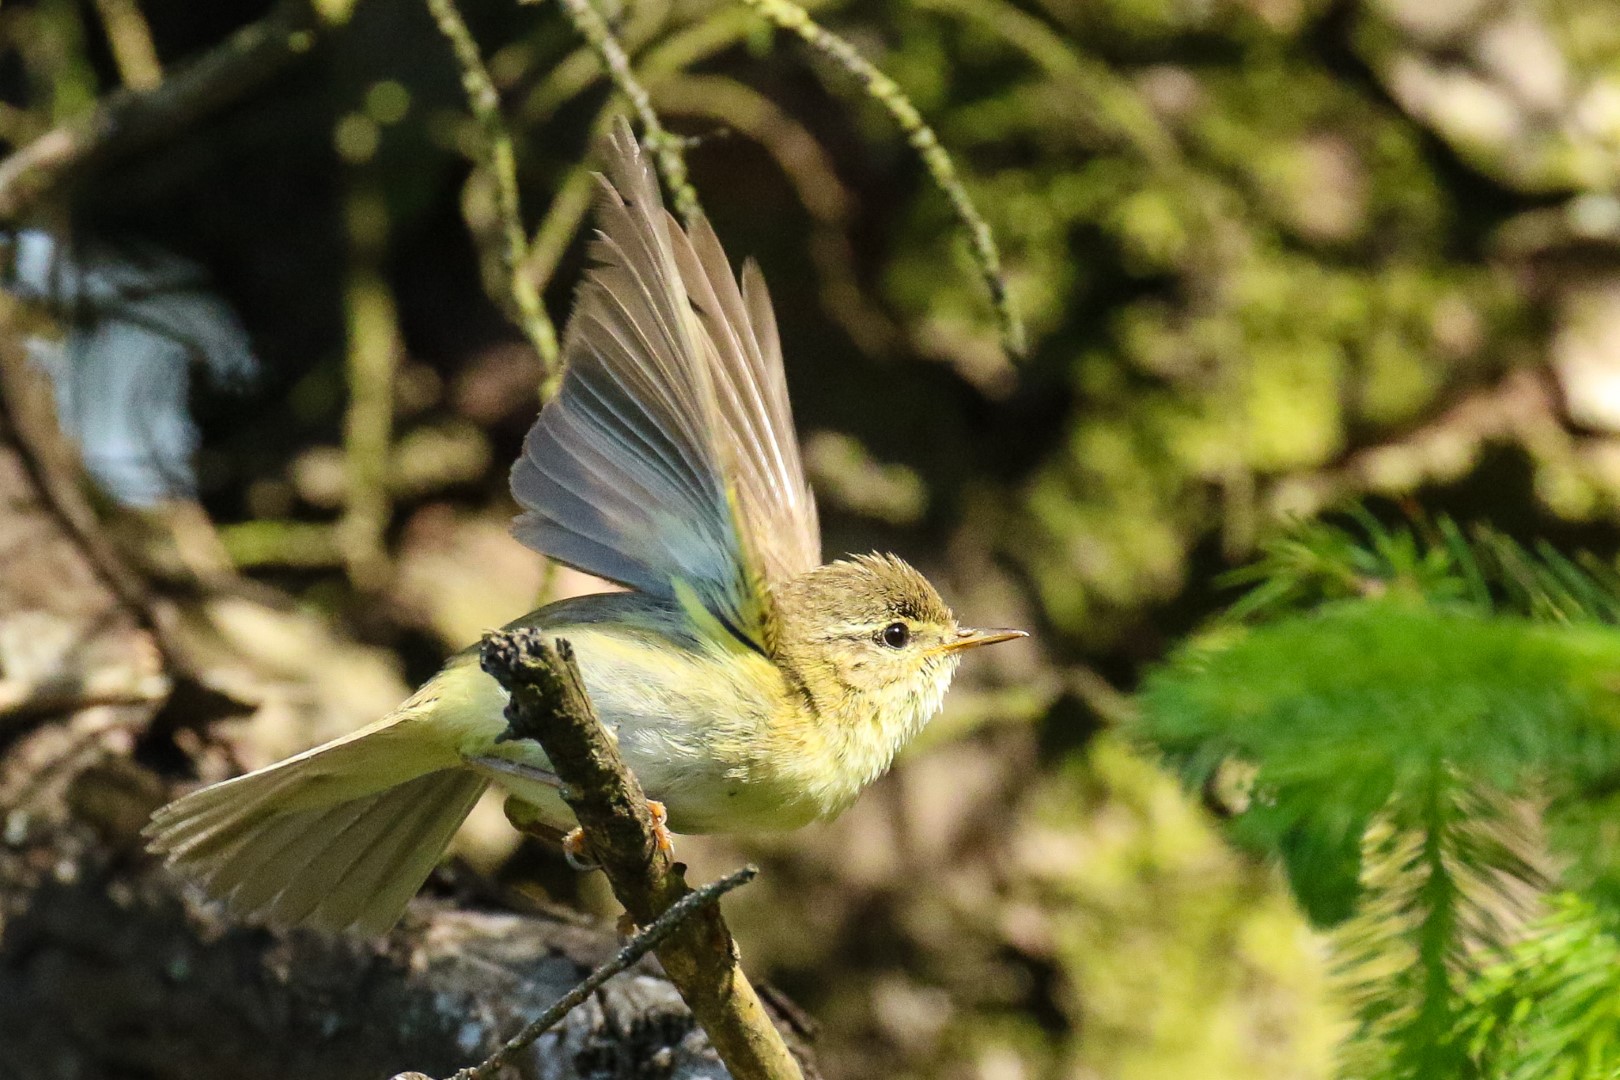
[{"x": 574, "y": 845}]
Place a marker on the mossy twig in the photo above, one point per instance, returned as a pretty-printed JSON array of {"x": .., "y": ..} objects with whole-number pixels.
[
  {"x": 129, "y": 39},
  {"x": 1094, "y": 91},
  {"x": 500, "y": 163},
  {"x": 885, "y": 91},
  {"x": 665, "y": 146},
  {"x": 548, "y": 704},
  {"x": 371, "y": 363},
  {"x": 577, "y": 72}
]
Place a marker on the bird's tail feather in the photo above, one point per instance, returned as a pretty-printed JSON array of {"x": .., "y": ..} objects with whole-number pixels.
[{"x": 341, "y": 836}]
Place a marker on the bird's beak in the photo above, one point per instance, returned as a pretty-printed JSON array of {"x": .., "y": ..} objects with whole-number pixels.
[{"x": 967, "y": 638}]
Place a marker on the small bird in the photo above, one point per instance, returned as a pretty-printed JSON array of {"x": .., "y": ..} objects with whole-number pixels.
[{"x": 749, "y": 686}]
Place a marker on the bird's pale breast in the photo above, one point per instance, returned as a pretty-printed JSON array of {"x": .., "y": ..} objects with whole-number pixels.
[{"x": 711, "y": 731}]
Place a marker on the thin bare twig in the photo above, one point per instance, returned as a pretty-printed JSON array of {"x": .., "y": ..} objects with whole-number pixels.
[
  {"x": 548, "y": 703},
  {"x": 500, "y": 162},
  {"x": 22, "y": 701},
  {"x": 644, "y": 942},
  {"x": 27, "y": 412},
  {"x": 127, "y": 119},
  {"x": 886, "y": 92},
  {"x": 665, "y": 146}
]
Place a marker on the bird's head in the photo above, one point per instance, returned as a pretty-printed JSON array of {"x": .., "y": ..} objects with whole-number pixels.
[{"x": 871, "y": 640}]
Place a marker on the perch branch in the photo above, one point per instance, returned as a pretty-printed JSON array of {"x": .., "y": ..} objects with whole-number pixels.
[
  {"x": 500, "y": 162},
  {"x": 128, "y": 119},
  {"x": 548, "y": 704},
  {"x": 644, "y": 942},
  {"x": 886, "y": 92},
  {"x": 666, "y": 147}
]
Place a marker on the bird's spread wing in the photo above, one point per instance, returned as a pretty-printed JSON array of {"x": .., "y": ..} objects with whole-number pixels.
[{"x": 668, "y": 461}]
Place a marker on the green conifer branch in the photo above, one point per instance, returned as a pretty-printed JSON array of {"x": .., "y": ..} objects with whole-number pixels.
[{"x": 1420, "y": 707}]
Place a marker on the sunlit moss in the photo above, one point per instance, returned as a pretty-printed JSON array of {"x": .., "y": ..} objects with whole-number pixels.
[{"x": 1183, "y": 959}]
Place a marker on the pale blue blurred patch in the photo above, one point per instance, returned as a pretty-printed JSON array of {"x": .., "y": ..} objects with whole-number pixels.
[{"x": 137, "y": 318}]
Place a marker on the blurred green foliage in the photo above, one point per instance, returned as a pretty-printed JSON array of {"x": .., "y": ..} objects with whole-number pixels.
[
  {"x": 1244, "y": 263},
  {"x": 1405, "y": 754}
]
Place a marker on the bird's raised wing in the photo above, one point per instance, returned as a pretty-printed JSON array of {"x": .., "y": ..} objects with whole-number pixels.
[{"x": 668, "y": 460}]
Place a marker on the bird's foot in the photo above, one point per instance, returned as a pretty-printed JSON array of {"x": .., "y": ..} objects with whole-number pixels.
[
  {"x": 660, "y": 826},
  {"x": 576, "y": 848}
]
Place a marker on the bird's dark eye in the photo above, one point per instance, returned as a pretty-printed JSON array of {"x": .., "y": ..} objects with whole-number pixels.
[{"x": 895, "y": 635}]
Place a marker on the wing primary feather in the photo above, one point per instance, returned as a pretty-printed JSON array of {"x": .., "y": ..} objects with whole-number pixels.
[{"x": 668, "y": 460}]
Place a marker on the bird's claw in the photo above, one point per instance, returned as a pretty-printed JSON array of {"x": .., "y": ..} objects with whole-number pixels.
[
  {"x": 660, "y": 826},
  {"x": 575, "y": 847}
]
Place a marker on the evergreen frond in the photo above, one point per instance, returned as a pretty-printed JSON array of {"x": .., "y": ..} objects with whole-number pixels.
[
  {"x": 1435, "y": 561},
  {"x": 1343, "y": 711},
  {"x": 1550, "y": 1010},
  {"x": 1317, "y": 563},
  {"x": 1451, "y": 878},
  {"x": 1419, "y": 714}
]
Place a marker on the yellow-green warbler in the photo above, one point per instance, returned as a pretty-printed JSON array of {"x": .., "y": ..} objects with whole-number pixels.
[{"x": 750, "y": 686}]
